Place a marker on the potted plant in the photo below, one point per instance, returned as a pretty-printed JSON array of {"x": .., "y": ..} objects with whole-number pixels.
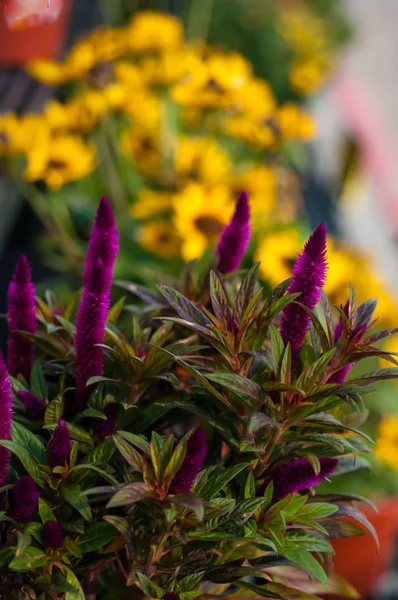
[{"x": 114, "y": 482}]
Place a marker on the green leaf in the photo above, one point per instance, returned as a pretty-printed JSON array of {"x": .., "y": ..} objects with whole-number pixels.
[
  {"x": 80, "y": 435},
  {"x": 374, "y": 376},
  {"x": 177, "y": 458},
  {"x": 96, "y": 536},
  {"x": 130, "y": 493},
  {"x": 246, "y": 292},
  {"x": 79, "y": 502},
  {"x": 190, "y": 582},
  {"x": 102, "y": 454},
  {"x": 74, "y": 582},
  {"x": 183, "y": 307},
  {"x": 28, "y": 463},
  {"x": 119, "y": 523},
  {"x": 130, "y": 454},
  {"x": 242, "y": 386},
  {"x": 87, "y": 466},
  {"x": 24, "y": 540},
  {"x": 316, "y": 510},
  {"x": 54, "y": 412},
  {"x": 190, "y": 501},
  {"x": 136, "y": 440},
  {"x": 277, "y": 347},
  {"x": 45, "y": 511},
  {"x": 150, "y": 589},
  {"x": 216, "y": 484},
  {"x": 115, "y": 311},
  {"x": 38, "y": 382},
  {"x": 306, "y": 561},
  {"x": 219, "y": 299},
  {"x": 250, "y": 487},
  {"x": 35, "y": 530},
  {"x": 32, "y": 558},
  {"x": 6, "y": 555},
  {"x": 29, "y": 442}
]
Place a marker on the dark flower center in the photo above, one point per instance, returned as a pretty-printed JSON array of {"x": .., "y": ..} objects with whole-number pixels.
[
  {"x": 210, "y": 226},
  {"x": 213, "y": 85},
  {"x": 289, "y": 262},
  {"x": 57, "y": 164}
]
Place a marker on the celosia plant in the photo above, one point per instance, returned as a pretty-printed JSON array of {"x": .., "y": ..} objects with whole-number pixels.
[{"x": 191, "y": 468}]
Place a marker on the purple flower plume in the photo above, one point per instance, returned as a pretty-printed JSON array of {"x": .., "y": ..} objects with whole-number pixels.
[
  {"x": 53, "y": 534},
  {"x": 234, "y": 237},
  {"x": 105, "y": 428},
  {"x": 26, "y": 499},
  {"x": 60, "y": 445},
  {"x": 21, "y": 313},
  {"x": 309, "y": 275},
  {"x": 34, "y": 406},
  {"x": 94, "y": 305},
  {"x": 297, "y": 475},
  {"x": 171, "y": 596},
  {"x": 192, "y": 464},
  {"x": 5, "y": 420}
]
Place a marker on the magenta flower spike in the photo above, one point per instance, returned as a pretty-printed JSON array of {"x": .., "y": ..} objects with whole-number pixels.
[
  {"x": 53, "y": 535},
  {"x": 171, "y": 596},
  {"x": 34, "y": 406},
  {"x": 94, "y": 304},
  {"x": 298, "y": 475},
  {"x": 5, "y": 420},
  {"x": 26, "y": 499},
  {"x": 21, "y": 314},
  {"x": 105, "y": 428},
  {"x": 60, "y": 445},
  {"x": 309, "y": 274},
  {"x": 234, "y": 237},
  {"x": 193, "y": 463}
]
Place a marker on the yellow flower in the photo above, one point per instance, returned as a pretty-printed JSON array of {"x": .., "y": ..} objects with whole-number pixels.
[
  {"x": 9, "y": 124},
  {"x": 160, "y": 238},
  {"x": 304, "y": 30},
  {"x": 306, "y": 77},
  {"x": 29, "y": 131},
  {"x": 63, "y": 159},
  {"x": 143, "y": 147},
  {"x": 154, "y": 32},
  {"x": 201, "y": 158},
  {"x": 251, "y": 132},
  {"x": 260, "y": 183},
  {"x": 128, "y": 74},
  {"x": 277, "y": 253},
  {"x": 200, "y": 215},
  {"x": 293, "y": 123},
  {"x": 80, "y": 113},
  {"x": 145, "y": 110},
  {"x": 386, "y": 450},
  {"x": 166, "y": 68},
  {"x": 151, "y": 204},
  {"x": 214, "y": 82},
  {"x": 50, "y": 72},
  {"x": 390, "y": 345},
  {"x": 255, "y": 100}
]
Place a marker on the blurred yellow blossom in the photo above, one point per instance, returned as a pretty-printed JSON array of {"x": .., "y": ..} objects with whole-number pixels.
[
  {"x": 145, "y": 110},
  {"x": 143, "y": 147},
  {"x": 80, "y": 113},
  {"x": 293, "y": 123},
  {"x": 306, "y": 76},
  {"x": 386, "y": 450},
  {"x": 390, "y": 345},
  {"x": 259, "y": 181},
  {"x": 154, "y": 32},
  {"x": 203, "y": 159},
  {"x": 63, "y": 159},
  {"x": 150, "y": 204},
  {"x": 160, "y": 238},
  {"x": 200, "y": 215},
  {"x": 255, "y": 100},
  {"x": 166, "y": 68},
  {"x": 277, "y": 252}
]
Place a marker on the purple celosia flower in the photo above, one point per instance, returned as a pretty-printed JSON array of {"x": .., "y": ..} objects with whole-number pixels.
[
  {"x": 94, "y": 305},
  {"x": 26, "y": 499},
  {"x": 107, "y": 428},
  {"x": 309, "y": 274},
  {"x": 298, "y": 475},
  {"x": 193, "y": 463},
  {"x": 5, "y": 420},
  {"x": 21, "y": 313},
  {"x": 60, "y": 445},
  {"x": 34, "y": 407},
  {"x": 234, "y": 237},
  {"x": 53, "y": 534},
  {"x": 171, "y": 596}
]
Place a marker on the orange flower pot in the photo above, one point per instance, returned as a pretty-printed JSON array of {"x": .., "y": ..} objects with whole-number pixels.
[
  {"x": 357, "y": 559},
  {"x": 44, "y": 41}
]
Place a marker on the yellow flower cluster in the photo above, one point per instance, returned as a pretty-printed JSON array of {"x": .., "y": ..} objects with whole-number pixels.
[
  {"x": 309, "y": 37},
  {"x": 386, "y": 450},
  {"x": 278, "y": 250}
]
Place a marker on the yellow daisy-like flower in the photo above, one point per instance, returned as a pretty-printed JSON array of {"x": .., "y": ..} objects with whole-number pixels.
[
  {"x": 81, "y": 113},
  {"x": 150, "y": 204},
  {"x": 144, "y": 148},
  {"x": 277, "y": 253},
  {"x": 386, "y": 450},
  {"x": 306, "y": 76},
  {"x": 148, "y": 118},
  {"x": 166, "y": 68},
  {"x": 255, "y": 100},
  {"x": 200, "y": 215},
  {"x": 63, "y": 159},
  {"x": 201, "y": 158},
  {"x": 154, "y": 32},
  {"x": 251, "y": 131},
  {"x": 215, "y": 82},
  {"x": 50, "y": 72},
  {"x": 30, "y": 131},
  {"x": 128, "y": 74},
  {"x": 160, "y": 238},
  {"x": 293, "y": 123},
  {"x": 260, "y": 183}
]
